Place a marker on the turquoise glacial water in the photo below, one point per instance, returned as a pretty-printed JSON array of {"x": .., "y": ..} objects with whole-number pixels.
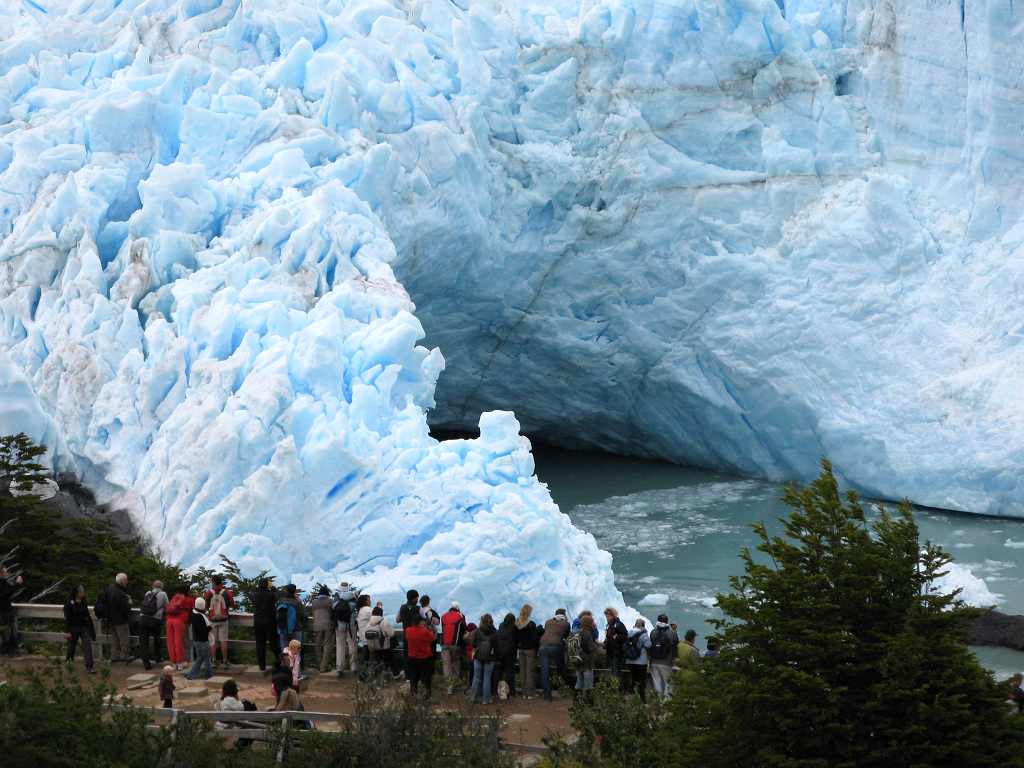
[{"x": 677, "y": 531}]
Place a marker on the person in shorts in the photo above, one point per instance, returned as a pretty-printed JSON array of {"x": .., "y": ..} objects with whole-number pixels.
[{"x": 219, "y": 604}]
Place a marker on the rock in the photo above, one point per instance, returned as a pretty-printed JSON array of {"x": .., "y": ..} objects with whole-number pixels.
[
  {"x": 1000, "y": 629},
  {"x": 191, "y": 693},
  {"x": 141, "y": 678}
]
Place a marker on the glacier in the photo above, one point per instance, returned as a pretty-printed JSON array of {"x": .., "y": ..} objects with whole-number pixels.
[{"x": 238, "y": 235}]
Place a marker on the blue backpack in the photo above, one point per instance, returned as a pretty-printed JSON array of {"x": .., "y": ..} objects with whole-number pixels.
[
  {"x": 286, "y": 618},
  {"x": 635, "y": 646}
]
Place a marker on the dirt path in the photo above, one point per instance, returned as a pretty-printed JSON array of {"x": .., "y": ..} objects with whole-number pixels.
[{"x": 525, "y": 721}]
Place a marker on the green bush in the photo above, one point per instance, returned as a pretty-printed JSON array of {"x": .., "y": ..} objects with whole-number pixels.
[
  {"x": 50, "y": 719},
  {"x": 407, "y": 732},
  {"x": 612, "y": 730}
]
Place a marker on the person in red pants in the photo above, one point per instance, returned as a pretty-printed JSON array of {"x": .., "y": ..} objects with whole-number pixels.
[{"x": 178, "y": 611}]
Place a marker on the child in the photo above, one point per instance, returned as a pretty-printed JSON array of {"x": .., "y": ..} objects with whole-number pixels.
[
  {"x": 294, "y": 651},
  {"x": 167, "y": 686}
]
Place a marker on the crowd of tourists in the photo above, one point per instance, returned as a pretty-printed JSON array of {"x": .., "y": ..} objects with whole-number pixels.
[{"x": 346, "y": 632}]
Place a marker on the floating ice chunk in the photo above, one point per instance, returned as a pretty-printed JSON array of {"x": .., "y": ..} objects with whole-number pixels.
[
  {"x": 974, "y": 590},
  {"x": 655, "y": 599}
]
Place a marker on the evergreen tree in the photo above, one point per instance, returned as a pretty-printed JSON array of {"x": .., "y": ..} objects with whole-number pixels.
[
  {"x": 836, "y": 650},
  {"x": 49, "y": 549}
]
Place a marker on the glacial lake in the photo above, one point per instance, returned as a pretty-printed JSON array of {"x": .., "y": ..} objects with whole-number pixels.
[{"x": 677, "y": 531}]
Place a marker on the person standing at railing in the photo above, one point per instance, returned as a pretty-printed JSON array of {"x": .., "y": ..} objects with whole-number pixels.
[
  {"x": 220, "y": 602},
  {"x": 484, "y": 656},
  {"x": 527, "y": 642},
  {"x": 323, "y": 628},
  {"x": 8, "y": 587},
  {"x": 662, "y": 654},
  {"x": 151, "y": 619},
  {"x": 78, "y": 626},
  {"x": 344, "y": 611},
  {"x": 419, "y": 639},
  {"x": 200, "y": 641},
  {"x": 410, "y": 608},
  {"x": 178, "y": 611},
  {"x": 264, "y": 622},
  {"x": 615, "y": 635},
  {"x": 507, "y": 651},
  {"x": 362, "y": 620},
  {"x": 453, "y": 634},
  {"x": 552, "y": 648},
  {"x": 635, "y": 653},
  {"x": 291, "y": 615},
  {"x": 115, "y": 607},
  {"x": 377, "y": 637}
]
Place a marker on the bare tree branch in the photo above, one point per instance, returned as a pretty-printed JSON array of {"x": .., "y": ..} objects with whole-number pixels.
[{"x": 49, "y": 590}]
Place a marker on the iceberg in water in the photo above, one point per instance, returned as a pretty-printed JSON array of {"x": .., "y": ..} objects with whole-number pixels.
[{"x": 739, "y": 233}]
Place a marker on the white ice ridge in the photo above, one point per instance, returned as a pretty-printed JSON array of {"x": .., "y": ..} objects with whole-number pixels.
[{"x": 197, "y": 312}]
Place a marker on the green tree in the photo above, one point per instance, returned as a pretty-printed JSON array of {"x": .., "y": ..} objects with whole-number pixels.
[
  {"x": 837, "y": 650},
  {"x": 49, "y": 548}
]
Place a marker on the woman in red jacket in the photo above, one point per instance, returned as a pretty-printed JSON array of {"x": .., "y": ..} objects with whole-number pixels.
[
  {"x": 178, "y": 611},
  {"x": 420, "y": 642}
]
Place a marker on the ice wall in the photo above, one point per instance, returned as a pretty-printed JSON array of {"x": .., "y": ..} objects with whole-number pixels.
[
  {"x": 198, "y": 316},
  {"x": 739, "y": 236}
]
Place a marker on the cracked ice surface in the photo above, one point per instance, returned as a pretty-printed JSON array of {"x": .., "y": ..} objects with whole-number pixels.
[
  {"x": 725, "y": 235},
  {"x": 197, "y": 312}
]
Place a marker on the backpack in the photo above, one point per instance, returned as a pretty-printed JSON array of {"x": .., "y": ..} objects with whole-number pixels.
[
  {"x": 661, "y": 644},
  {"x": 634, "y": 646},
  {"x": 341, "y": 612},
  {"x": 218, "y": 606},
  {"x": 485, "y": 648},
  {"x": 100, "y": 609},
  {"x": 376, "y": 640},
  {"x": 286, "y": 617},
  {"x": 248, "y": 706},
  {"x": 406, "y": 612},
  {"x": 574, "y": 649},
  {"x": 506, "y": 642},
  {"x": 149, "y": 604}
]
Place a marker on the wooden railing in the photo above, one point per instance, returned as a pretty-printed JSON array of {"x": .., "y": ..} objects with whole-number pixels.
[{"x": 245, "y": 725}]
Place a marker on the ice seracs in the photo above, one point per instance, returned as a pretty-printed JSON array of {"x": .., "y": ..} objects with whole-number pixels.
[{"x": 198, "y": 315}]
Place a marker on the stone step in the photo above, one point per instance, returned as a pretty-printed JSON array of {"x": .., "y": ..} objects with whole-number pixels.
[{"x": 192, "y": 692}]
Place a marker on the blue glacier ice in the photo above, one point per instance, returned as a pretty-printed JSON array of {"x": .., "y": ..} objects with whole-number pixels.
[{"x": 736, "y": 233}]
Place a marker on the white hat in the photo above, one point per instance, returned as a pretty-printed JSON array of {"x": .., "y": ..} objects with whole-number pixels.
[
  {"x": 200, "y": 604},
  {"x": 455, "y": 604}
]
